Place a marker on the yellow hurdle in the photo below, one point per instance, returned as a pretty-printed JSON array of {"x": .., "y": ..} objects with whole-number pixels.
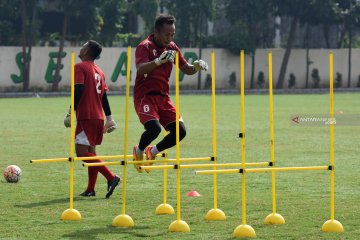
[
  {"x": 124, "y": 220},
  {"x": 71, "y": 213},
  {"x": 178, "y": 225}
]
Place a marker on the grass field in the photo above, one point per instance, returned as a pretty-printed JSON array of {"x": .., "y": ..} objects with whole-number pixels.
[{"x": 33, "y": 129}]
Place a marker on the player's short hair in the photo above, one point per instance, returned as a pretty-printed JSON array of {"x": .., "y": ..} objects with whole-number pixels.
[
  {"x": 95, "y": 49},
  {"x": 163, "y": 19}
]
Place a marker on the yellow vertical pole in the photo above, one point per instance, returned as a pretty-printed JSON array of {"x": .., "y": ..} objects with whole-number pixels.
[
  {"x": 165, "y": 208},
  {"x": 213, "y": 111},
  {"x": 242, "y": 127},
  {"x": 178, "y": 196},
  {"x": 124, "y": 220},
  {"x": 178, "y": 225},
  {"x": 272, "y": 146},
  {"x": 72, "y": 132},
  {"x": 332, "y": 225},
  {"x": 243, "y": 230},
  {"x": 127, "y": 96},
  {"x": 331, "y": 125},
  {"x": 71, "y": 213},
  {"x": 215, "y": 213},
  {"x": 273, "y": 218}
]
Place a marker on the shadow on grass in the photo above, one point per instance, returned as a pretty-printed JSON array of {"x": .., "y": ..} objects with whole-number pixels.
[
  {"x": 54, "y": 202},
  {"x": 98, "y": 233}
]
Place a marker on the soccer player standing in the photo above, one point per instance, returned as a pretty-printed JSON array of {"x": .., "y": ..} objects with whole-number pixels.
[
  {"x": 89, "y": 102},
  {"x": 154, "y": 58}
]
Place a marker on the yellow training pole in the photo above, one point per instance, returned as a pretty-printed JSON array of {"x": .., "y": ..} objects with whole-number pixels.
[
  {"x": 273, "y": 218},
  {"x": 243, "y": 230},
  {"x": 215, "y": 213},
  {"x": 124, "y": 220},
  {"x": 165, "y": 208},
  {"x": 332, "y": 225},
  {"x": 178, "y": 225},
  {"x": 71, "y": 213}
]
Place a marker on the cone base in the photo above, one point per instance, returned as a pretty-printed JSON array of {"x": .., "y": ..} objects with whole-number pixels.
[
  {"x": 332, "y": 226},
  {"x": 164, "y": 208},
  {"x": 71, "y": 214},
  {"x": 123, "y": 220},
  {"x": 179, "y": 226},
  {"x": 275, "y": 219},
  {"x": 244, "y": 231},
  {"x": 215, "y": 214}
]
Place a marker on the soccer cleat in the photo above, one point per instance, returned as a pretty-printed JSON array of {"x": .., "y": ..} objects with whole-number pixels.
[
  {"x": 149, "y": 156},
  {"x": 137, "y": 157},
  {"x": 88, "y": 194},
  {"x": 112, "y": 185}
]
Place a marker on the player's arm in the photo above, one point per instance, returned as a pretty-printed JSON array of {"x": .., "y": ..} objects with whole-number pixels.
[
  {"x": 191, "y": 69},
  {"x": 78, "y": 91},
  {"x": 145, "y": 68},
  {"x": 110, "y": 124}
]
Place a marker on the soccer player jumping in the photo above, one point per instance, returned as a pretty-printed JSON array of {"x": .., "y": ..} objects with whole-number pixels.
[
  {"x": 154, "y": 58},
  {"x": 89, "y": 103}
]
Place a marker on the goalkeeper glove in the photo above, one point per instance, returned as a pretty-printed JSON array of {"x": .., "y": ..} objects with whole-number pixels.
[
  {"x": 166, "y": 56},
  {"x": 110, "y": 124},
  {"x": 67, "y": 120},
  {"x": 200, "y": 65}
]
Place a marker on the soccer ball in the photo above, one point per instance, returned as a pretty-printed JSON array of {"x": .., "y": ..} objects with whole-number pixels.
[{"x": 12, "y": 174}]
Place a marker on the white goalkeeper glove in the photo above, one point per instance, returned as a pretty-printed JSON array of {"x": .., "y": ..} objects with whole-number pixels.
[
  {"x": 110, "y": 124},
  {"x": 67, "y": 120},
  {"x": 166, "y": 56},
  {"x": 200, "y": 65}
]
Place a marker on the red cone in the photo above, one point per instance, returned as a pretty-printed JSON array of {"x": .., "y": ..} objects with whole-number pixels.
[{"x": 193, "y": 194}]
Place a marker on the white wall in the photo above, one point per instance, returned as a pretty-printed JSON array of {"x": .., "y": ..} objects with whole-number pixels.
[{"x": 225, "y": 63}]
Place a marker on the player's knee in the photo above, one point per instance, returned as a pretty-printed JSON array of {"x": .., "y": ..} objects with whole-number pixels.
[
  {"x": 182, "y": 131},
  {"x": 153, "y": 128}
]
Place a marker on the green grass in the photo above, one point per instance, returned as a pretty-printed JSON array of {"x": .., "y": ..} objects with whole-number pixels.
[{"x": 33, "y": 129}]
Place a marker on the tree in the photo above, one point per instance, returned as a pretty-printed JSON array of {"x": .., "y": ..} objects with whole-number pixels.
[
  {"x": 147, "y": 11},
  {"x": 111, "y": 20},
  {"x": 294, "y": 10},
  {"x": 79, "y": 11},
  {"x": 254, "y": 25},
  {"x": 28, "y": 16},
  {"x": 349, "y": 13}
]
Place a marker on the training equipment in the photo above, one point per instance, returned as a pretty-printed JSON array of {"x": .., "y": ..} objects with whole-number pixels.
[
  {"x": 166, "y": 56},
  {"x": 200, "y": 65},
  {"x": 12, "y": 174},
  {"x": 110, "y": 125},
  {"x": 67, "y": 119}
]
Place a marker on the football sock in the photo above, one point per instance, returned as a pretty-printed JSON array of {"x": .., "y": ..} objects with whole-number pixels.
[
  {"x": 92, "y": 174},
  {"x": 152, "y": 131},
  {"x": 139, "y": 151},
  {"x": 154, "y": 150},
  {"x": 104, "y": 170}
]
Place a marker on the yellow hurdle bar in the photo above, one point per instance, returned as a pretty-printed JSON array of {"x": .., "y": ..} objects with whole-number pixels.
[
  {"x": 101, "y": 157},
  {"x": 280, "y": 169},
  {"x": 224, "y": 171},
  {"x": 172, "y": 160},
  {"x": 50, "y": 160},
  {"x": 101, "y": 164},
  {"x": 210, "y": 165}
]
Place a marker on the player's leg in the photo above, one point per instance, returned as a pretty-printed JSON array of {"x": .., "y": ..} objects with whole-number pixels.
[
  {"x": 83, "y": 151},
  {"x": 168, "y": 120},
  {"x": 92, "y": 132},
  {"x": 146, "y": 108}
]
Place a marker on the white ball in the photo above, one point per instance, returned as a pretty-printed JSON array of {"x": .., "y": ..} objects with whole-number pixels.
[{"x": 12, "y": 174}]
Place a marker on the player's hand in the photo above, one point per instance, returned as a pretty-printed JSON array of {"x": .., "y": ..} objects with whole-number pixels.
[
  {"x": 110, "y": 125},
  {"x": 67, "y": 120},
  {"x": 200, "y": 65},
  {"x": 166, "y": 56}
]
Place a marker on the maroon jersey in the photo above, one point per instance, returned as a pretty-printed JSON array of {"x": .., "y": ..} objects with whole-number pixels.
[
  {"x": 93, "y": 79},
  {"x": 158, "y": 79}
]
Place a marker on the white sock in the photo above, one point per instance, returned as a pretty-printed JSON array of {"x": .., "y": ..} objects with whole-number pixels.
[
  {"x": 154, "y": 150},
  {"x": 138, "y": 151}
]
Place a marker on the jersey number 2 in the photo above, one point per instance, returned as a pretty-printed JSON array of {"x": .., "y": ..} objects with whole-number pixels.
[{"x": 98, "y": 84}]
